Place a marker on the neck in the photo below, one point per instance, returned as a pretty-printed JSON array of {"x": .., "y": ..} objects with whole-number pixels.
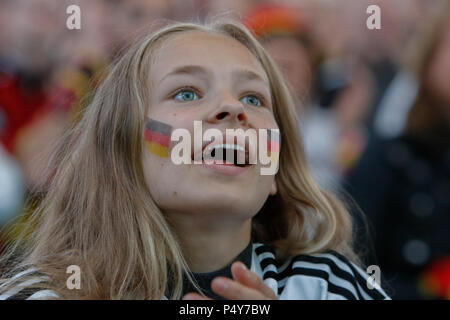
[{"x": 211, "y": 246}]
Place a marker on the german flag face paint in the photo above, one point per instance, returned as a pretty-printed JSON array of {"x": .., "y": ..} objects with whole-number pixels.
[
  {"x": 157, "y": 137},
  {"x": 273, "y": 144}
]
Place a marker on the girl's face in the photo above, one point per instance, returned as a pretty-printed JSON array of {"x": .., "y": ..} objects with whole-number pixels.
[{"x": 214, "y": 79}]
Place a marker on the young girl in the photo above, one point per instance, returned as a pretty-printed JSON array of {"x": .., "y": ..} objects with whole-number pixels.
[{"x": 139, "y": 226}]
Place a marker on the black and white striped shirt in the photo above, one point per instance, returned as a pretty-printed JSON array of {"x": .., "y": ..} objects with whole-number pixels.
[
  {"x": 23, "y": 289},
  {"x": 321, "y": 276}
]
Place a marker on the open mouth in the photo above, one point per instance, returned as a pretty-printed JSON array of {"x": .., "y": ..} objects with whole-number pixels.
[
  {"x": 235, "y": 154},
  {"x": 226, "y": 154}
]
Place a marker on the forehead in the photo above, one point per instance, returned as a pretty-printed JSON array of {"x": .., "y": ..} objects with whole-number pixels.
[{"x": 214, "y": 51}]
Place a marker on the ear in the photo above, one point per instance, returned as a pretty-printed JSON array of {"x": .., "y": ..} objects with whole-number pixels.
[{"x": 273, "y": 189}]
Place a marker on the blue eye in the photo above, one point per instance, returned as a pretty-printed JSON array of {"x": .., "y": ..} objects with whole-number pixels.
[
  {"x": 251, "y": 100},
  {"x": 186, "y": 95}
]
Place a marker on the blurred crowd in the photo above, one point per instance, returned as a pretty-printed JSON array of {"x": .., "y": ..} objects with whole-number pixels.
[{"x": 374, "y": 107}]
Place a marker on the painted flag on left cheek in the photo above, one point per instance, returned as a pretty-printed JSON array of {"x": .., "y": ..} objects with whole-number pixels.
[{"x": 157, "y": 137}]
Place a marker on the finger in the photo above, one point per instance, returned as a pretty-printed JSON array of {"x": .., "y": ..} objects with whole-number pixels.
[
  {"x": 195, "y": 296},
  {"x": 250, "y": 279},
  {"x": 233, "y": 290}
]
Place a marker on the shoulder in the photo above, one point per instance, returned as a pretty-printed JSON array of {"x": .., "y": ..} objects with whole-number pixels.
[
  {"x": 25, "y": 286},
  {"x": 318, "y": 276}
]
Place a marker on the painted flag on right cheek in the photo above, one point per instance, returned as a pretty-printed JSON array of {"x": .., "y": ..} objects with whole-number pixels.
[
  {"x": 273, "y": 144},
  {"x": 157, "y": 137}
]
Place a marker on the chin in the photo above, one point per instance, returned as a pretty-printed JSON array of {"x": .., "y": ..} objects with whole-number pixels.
[{"x": 237, "y": 202}]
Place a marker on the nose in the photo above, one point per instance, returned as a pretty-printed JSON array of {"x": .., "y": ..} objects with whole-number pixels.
[{"x": 229, "y": 109}]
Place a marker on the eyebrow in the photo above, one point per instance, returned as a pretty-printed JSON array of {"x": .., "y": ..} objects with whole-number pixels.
[
  {"x": 241, "y": 74},
  {"x": 249, "y": 75},
  {"x": 189, "y": 70}
]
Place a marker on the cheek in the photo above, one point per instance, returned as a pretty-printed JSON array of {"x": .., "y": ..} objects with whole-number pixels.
[
  {"x": 262, "y": 119},
  {"x": 266, "y": 183},
  {"x": 153, "y": 167},
  {"x": 157, "y": 137},
  {"x": 159, "y": 177},
  {"x": 260, "y": 192}
]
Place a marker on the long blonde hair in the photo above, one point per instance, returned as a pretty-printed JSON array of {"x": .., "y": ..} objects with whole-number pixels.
[{"x": 98, "y": 212}]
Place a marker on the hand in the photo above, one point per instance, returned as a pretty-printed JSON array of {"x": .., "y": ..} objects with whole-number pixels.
[{"x": 246, "y": 285}]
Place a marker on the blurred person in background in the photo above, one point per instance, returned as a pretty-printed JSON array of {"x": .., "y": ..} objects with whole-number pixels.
[
  {"x": 403, "y": 184},
  {"x": 382, "y": 49},
  {"x": 11, "y": 191},
  {"x": 108, "y": 26},
  {"x": 136, "y": 17},
  {"x": 393, "y": 104},
  {"x": 30, "y": 116},
  {"x": 46, "y": 75},
  {"x": 284, "y": 34},
  {"x": 333, "y": 88},
  {"x": 27, "y": 62}
]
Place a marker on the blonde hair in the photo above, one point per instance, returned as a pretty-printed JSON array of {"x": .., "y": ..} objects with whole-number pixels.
[{"x": 98, "y": 212}]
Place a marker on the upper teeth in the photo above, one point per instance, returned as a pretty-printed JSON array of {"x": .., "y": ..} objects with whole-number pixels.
[{"x": 227, "y": 146}]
